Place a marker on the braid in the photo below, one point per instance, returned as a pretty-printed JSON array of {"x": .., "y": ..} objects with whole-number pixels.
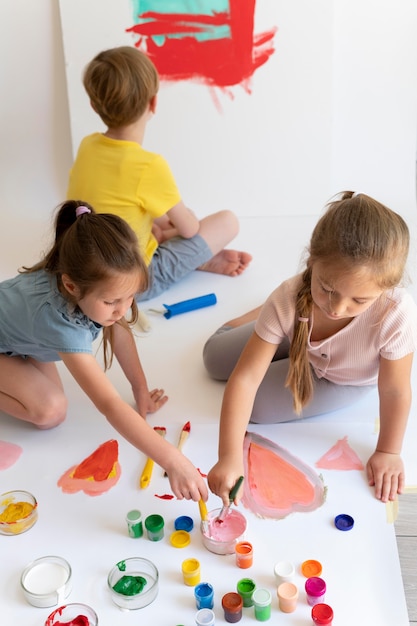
[{"x": 299, "y": 378}]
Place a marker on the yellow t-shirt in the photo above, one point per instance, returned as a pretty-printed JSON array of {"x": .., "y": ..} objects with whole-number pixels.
[{"x": 120, "y": 177}]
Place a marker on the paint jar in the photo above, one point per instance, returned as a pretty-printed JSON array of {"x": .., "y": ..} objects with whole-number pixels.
[
  {"x": 245, "y": 588},
  {"x": 322, "y": 614},
  {"x": 74, "y": 614},
  {"x": 154, "y": 525},
  {"x": 205, "y": 617},
  {"x": 222, "y": 537},
  {"x": 18, "y": 512},
  {"x": 191, "y": 572},
  {"x": 184, "y": 523},
  {"x": 47, "y": 581},
  {"x": 134, "y": 524},
  {"x": 244, "y": 554},
  {"x": 262, "y": 603},
  {"x": 232, "y": 604},
  {"x": 287, "y": 597},
  {"x": 284, "y": 572},
  {"x": 133, "y": 583},
  {"x": 315, "y": 590},
  {"x": 311, "y": 568},
  {"x": 204, "y": 596}
]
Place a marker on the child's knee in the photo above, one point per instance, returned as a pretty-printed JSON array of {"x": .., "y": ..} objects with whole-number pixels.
[{"x": 52, "y": 414}]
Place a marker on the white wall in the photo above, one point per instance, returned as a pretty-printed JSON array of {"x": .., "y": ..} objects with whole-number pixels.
[{"x": 374, "y": 111}]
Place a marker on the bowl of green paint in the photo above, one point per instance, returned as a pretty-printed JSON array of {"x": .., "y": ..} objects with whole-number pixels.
[{"x": 133, "y": 583}]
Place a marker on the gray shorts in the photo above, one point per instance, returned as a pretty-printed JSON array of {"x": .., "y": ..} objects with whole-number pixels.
[{"x": 173, "y": 260}]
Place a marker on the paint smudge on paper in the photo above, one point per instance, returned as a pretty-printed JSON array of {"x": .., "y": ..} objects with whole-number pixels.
[
  {"x": 9, "y": 454},
  {"x": 165, "y": 496},
  {"x": 340, "y": 457},
  {"x": 208, "y": 41},
  {"x": 277, "y": 483},
  {"x": 98, "y": 473}
]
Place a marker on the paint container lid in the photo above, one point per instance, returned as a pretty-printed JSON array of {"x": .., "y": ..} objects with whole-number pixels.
[
  {"x": 311, "y": 568},
  {"x": 322, "y": 613},
  {"x": 261, "y": 597},
  {"x": 343, "y": 522},
  {"x": 184, "y": 523},
  {"x": 134, "y": 516},
  {"x": 180, "y": 539}
]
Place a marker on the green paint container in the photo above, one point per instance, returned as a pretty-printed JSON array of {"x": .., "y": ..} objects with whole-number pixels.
[
  {"x": 262, "y": 603},
  {"x": 154, "y": 525}
]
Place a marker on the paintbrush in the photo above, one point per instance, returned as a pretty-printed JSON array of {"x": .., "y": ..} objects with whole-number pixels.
[
  {"x": 232, "y": 495},
  {"x": 183, "y": 437},
  {"x": 146, "y": 475},
  {"x": 203, "y": 515}
]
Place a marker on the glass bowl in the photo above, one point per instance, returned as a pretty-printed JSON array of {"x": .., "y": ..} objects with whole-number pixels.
[
  {"x": 46, "y": 581},
  {"x": 18, "y": 512},
  {"x": 222, "y": 537},
  {"x": 133, "y": 583},
  {"x": 80, "y": 614}
]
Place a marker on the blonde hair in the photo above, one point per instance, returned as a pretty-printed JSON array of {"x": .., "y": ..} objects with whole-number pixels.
[
  {"x": 359, "y": 231},
  {"x": 120, "y": 83}
]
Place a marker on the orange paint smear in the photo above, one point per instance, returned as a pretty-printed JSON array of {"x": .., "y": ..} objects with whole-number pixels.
[
  {"x": 278, "y": 483},
  {"x": 340, "y": 457},
  {"x": 98, "y": 473}
]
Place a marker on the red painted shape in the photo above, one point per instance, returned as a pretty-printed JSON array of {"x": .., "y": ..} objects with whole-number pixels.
[
  {"x": 165, "y": 496},
  {"x": 219, "y": 62},
  {"x": 100, "y": 463}
]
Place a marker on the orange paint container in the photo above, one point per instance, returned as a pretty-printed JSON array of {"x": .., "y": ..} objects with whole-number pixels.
[{"x": 244, "y": 554}]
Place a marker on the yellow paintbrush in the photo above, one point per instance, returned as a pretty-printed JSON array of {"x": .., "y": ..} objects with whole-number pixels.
[{"x": 146, "y": 475}]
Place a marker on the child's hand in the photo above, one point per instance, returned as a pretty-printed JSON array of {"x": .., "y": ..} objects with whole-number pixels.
[
  {"x": 222, "y": 478},
  {"x": 386, "y": 472},
  {"x": 149, "y": 401},
  {"x": 186, "y": 481}
]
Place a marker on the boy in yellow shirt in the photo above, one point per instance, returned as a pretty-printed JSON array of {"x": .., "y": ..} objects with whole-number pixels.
[{"x": 115, "y": 174}]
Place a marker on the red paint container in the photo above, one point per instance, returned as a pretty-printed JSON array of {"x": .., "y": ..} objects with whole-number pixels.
[
  {"x": 232, "y": 604},
  {"x": 322, "y": 614}
]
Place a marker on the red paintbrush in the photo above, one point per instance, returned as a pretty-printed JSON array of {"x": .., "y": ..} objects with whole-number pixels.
[{"x": 183, "y": 437}]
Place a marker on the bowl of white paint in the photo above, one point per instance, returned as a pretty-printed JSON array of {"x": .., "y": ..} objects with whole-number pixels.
[{"x": 46, "y": 581}]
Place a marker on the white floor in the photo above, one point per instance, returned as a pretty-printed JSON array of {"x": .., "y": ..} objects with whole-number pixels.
[{"x": 90, "y": 532}]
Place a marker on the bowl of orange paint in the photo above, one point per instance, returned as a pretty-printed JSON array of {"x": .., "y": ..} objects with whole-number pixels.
[
  {"x": 18, "y": 512},
  {"x": 221, "y": 537}
]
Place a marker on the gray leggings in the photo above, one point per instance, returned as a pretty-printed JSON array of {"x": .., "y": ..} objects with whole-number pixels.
[{"x": 273, "y": 401}]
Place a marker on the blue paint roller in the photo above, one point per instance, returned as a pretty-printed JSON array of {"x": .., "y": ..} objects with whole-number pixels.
[{"x": 189, "y": 305}]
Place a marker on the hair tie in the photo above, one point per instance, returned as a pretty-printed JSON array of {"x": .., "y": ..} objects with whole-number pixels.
[
  {"x": 303, "y": 319},
  {"x": 81, "y": 209}
]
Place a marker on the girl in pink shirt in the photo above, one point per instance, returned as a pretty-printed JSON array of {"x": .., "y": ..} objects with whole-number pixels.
[{"x": 323, "y": 339}]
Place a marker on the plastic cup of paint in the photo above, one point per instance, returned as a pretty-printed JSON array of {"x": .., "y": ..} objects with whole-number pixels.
[
  {"x": 221, "y": 538},
  {"x": 204, "y": 596},
  {"x": 244, "y": 554},
  {"x": 205, "y": 617},
  {"x": 262, "y": 603},
  {"x": 245, "y": 588},
  {"x": 287, "y": 597},
  {"x": 184, "y": 523},
  {"x": 133, "y": 583},
  {"x": 47, "y": 581},
  {"x": 284, "y": 572},
  {"x": 232, "y": 604},
  {"x": 315, "y": 588},
  {"x": 154, "y": 525},
  {"x": 73, "y": 613},
  {"x": 322, "y": 614},
  {"x": 18, "y": 512},
  {"x": 191, "y": 572},
  {"x": 134, "y": 524}
]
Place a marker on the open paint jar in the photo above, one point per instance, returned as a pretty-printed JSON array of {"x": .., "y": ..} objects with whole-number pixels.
[
  {"x": 46, "y": 581},
  {"x": 133, "y": 583},
  {"x": 18, "y": 512},
  {"x": 73, "y": 615},
  {"x": 222, "y": 537}
]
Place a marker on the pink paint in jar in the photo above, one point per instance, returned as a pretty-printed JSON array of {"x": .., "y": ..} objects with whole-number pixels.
[
  {"x": 315, "y": 588},
  {"x": 322, "y": 614}
]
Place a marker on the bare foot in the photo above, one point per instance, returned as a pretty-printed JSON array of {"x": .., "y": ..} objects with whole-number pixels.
[{"x": 228, "y": 262}]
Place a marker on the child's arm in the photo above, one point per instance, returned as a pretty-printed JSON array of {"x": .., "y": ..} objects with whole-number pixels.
[
  {"x": 385, "y": 468},
  {"x": 127, "y": 355},
  {"x": 183, "y": 220},
  {"x": 236, "y": 410},
  {"x": 186, "y": 481}
]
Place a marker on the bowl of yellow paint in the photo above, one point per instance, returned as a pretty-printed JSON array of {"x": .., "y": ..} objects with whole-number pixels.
[{"x": 18, "y": 512}]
